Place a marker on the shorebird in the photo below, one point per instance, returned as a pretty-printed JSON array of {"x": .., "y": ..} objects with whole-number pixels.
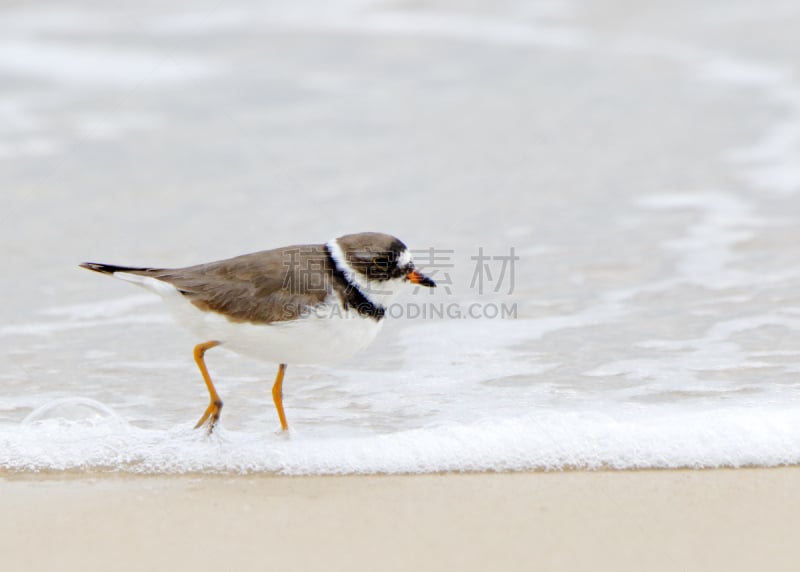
[{"x": 303, "y": 304}]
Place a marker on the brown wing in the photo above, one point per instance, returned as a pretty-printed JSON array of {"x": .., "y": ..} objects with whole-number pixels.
[{"x": 263, "y": 287}]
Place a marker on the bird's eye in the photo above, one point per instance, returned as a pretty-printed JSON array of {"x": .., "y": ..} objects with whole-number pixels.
[{"x": 381, "y": 262}]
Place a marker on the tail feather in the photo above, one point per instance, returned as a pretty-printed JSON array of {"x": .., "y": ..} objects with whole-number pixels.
[
  {"x": 111, "y": 269},
  {"x": 148, "y": 278}
]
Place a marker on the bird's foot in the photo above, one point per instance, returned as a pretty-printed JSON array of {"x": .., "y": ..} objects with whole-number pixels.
[{"x": 211, "y": 416}]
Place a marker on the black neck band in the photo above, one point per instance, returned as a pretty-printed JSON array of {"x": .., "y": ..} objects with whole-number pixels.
[{"x": 353, "y": 296}]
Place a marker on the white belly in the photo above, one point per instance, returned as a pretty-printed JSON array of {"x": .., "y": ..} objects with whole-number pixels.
[
  {"x": 324, "y": 336},
  {"x": 305, "y": 341}
]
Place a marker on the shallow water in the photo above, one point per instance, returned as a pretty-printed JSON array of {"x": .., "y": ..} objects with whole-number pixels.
[{"x": 643, "y": 164}]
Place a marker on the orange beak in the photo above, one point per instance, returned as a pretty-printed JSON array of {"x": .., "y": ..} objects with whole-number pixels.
[{"x": 420, "y": 279}]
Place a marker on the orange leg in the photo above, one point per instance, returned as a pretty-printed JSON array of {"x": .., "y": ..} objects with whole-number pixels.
[
  {"x": 277, "y": 395},
  {"x": 215, "y": 406}
]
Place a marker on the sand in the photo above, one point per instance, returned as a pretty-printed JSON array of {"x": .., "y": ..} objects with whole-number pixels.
[{"x": 743, "y": 519}]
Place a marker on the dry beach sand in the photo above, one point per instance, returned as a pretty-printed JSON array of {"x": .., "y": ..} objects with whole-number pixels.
[{"x": 744, "y": 519}]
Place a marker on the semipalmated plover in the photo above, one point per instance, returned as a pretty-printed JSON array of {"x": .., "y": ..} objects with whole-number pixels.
[{"x": 304, "y": 304}]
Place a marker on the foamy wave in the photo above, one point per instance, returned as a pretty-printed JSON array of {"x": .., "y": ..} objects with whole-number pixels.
[{"x": 626, "y": 438}]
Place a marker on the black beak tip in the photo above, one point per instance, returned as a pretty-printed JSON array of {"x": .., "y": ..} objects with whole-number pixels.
[{"x": 428, "y": 282}]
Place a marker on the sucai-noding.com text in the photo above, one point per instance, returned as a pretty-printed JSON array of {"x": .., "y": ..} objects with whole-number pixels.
[{"x": 418, "y": 311}]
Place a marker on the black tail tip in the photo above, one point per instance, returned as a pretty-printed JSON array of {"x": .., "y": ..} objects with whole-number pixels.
[{"x": 97, "y": 267}]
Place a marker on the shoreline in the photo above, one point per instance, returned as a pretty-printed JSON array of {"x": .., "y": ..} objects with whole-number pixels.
[
  {"x": 93, "y": 474},
  {"x": 732, "y": 519}
]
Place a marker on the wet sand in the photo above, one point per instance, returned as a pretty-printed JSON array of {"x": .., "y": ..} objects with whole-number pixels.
[{"x": 741, "y": 519}]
